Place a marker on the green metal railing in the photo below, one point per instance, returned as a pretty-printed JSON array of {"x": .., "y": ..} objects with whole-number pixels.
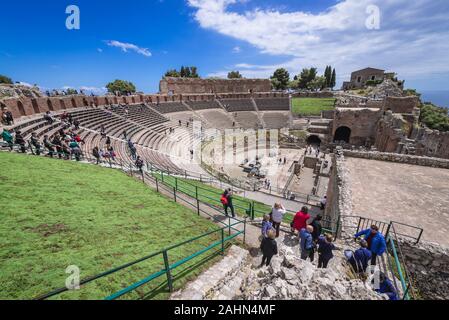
[
  {"x": 165, "y": 255},
  {"x": 168, "y": 268},
  {"x": 397, "y": 267},
  {"x": 200, "y": 193}
]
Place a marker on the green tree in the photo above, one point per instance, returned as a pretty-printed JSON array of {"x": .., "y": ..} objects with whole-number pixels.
[
  {"x": 5, "y": 79},
  {"x": 71, "y": 91},
  {"x": 317, "y": 83},
  {"x": 306, "y": 76},
  {"x": 194, "y": 72},
  {"x": 328, "y": 76},
  {"x": 280, "y": 79},
  {"x": 187, "y": 72},
  {"x": 333, "y": 82},
  {"x": 234, "y": 75},
  {"x": 172, "y": 73},
  {"x": 121, "y": 86},
  {"x": 434, "y": 117},
  {"x": 183, "y": 72}
]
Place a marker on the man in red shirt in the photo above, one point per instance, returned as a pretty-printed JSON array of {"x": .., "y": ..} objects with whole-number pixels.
[{"x": 300, "y": 219}]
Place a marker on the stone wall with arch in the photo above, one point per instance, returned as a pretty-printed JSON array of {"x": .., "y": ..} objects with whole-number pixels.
[{"x": 361, "y": 122}]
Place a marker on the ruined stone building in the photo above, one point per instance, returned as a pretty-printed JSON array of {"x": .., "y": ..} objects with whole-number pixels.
[
  {"x": 359, "y": 78},
  {"x": 171, "y": 85}
]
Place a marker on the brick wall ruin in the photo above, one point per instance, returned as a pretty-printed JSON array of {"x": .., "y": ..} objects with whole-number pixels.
[
  {"x": 432, "y": 143},
  {"x": 193, "y": 85},
  {"x": 391, "y": 130},
  {"x": 401, "y": 104},
  {"x": 362, "y": 123}
]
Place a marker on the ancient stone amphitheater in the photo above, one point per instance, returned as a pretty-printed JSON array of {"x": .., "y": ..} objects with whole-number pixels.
[{"x": 384, "y": 168}]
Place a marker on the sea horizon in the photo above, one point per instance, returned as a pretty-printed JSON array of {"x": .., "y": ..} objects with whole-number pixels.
[{"x": 437, "y": 97}]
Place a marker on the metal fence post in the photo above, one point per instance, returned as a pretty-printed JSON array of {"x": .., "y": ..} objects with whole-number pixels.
[
  {"x": 176, "y": 183},
  {"x": 358, "y": 225},
  {"x": 167, "y": 271},
  {"x": 229, "y": 225},
  {"x": 253, "y": 215},
  {"x": 244, "y": 231},
  {"x": 222, "y": 241},
  {"x": 388, "y": 229},
  {"x": 157, "y": 185},
  {"x": 174, "y": 193}
]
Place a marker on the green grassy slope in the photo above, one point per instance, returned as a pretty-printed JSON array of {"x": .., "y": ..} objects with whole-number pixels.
[
  {"x": 312, "y": 106},
  {"x": 55, "y": 214}
]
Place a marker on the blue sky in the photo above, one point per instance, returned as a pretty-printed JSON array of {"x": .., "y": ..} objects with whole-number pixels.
[{"x": 138, "y": 40}]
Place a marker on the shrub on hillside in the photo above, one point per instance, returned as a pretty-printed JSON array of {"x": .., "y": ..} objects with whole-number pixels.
[{"x": 434, "y": 117}]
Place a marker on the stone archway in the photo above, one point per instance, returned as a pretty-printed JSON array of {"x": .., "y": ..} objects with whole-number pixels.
[
  {"x": 21, "y": 108},
  {"x": 50, "y": 105},
  {"x": 342, "y": 134},
  {"x": 313, "y": 140}
]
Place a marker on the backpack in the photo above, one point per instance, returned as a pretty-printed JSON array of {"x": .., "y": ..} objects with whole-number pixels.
[{"x": 224, "y": 200}]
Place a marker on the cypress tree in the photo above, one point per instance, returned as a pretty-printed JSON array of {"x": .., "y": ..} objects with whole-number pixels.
[{"x": 333, "y": 82}]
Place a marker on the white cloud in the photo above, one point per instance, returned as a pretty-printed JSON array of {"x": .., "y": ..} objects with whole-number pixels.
[
  {"x": 26, "y": 84},
  {"x": 236, "y": 50},
  {"x": 413, "y": 39},
  {"x": 86, "y": 89},
  {"x": 129, "y": 46},
  {"x": 94, "y": 89}
]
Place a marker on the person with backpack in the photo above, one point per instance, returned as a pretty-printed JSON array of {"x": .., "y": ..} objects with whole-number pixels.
[
  {"x": 269, "y": 248},
  {"x": 226, "y": 201}
]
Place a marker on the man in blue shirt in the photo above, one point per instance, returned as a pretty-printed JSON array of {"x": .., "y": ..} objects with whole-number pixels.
[
  {"x": 359, "y": 260},
  {"x": 306, "y": 244},
  {"x": 375, "y": 240}
]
